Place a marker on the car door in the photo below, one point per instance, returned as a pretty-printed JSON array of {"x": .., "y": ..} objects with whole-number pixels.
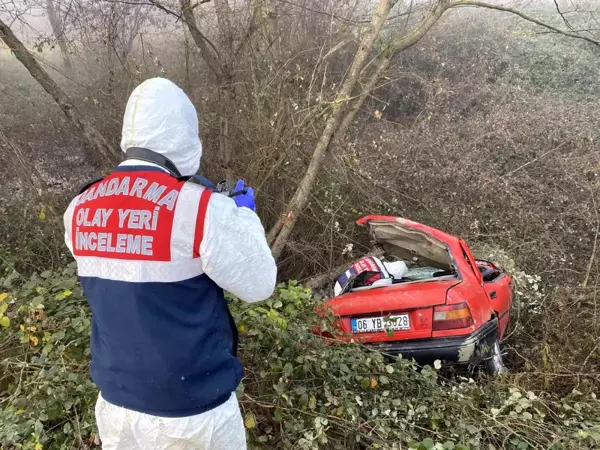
[{"x": 498, "y": 286}]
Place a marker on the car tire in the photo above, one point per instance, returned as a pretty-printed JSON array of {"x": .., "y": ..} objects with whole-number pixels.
[{"x": 494, "y": 364}]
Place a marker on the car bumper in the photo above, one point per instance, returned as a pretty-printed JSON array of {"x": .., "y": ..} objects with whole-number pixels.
[{"x": 461, "y": 350}]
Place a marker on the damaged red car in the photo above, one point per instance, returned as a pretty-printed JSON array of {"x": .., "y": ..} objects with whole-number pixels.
[{"x": 427, "y": 298}]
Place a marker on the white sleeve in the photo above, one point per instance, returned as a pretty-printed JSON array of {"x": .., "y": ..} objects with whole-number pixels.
[
  {"x": 68, "y": 222},
  {"x": 234, "y": 251}
]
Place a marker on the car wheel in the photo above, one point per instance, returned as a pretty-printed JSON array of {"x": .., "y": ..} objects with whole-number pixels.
[{"x": 493, "y": 363}]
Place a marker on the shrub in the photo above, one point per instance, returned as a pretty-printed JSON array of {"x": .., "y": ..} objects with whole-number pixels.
[{"x": 301, "y": 391}]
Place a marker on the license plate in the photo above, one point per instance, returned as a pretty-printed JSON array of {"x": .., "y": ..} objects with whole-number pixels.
[{"x": 387, "y": 323}]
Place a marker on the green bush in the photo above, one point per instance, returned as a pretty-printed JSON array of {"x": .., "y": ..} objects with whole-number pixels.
[
  {"x": 301, "y": 391},
  {"x": 47, "y": 395}
]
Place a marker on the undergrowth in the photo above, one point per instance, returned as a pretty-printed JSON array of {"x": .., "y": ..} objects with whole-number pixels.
[{"x": 300, "y": 391}]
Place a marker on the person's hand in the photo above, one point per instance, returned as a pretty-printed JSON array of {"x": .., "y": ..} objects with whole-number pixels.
[{"x": 244, "y": 199}]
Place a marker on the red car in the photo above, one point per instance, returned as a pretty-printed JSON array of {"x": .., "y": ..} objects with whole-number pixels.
[{"x": 448, "y": 306}]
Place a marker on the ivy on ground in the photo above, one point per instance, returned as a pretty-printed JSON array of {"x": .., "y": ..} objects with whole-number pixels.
[{"x": 301, "y": 391}]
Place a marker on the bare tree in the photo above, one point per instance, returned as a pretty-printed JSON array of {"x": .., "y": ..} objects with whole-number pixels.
[
  {"x": 220, "y": 63},
  {"x": 59, "y": 34},
  {"x": 348, "y": 103},
  {"x": 281, "y": 232},
  {"x": 265, "y": 12},
  {"x": 100, "y": 149}
]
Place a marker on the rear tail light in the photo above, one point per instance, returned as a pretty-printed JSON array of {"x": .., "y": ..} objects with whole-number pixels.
[{"x": 449, "y": 317}]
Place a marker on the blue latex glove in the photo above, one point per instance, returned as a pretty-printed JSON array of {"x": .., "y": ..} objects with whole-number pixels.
[{"x": 244, "y": 200}]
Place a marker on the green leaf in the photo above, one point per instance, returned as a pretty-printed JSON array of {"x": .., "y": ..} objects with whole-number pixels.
[
  {"x": 64, "y": 295},
  {"x": 428, "y": 443},
  {"x": 4, "y": 322},
  {"x": 472, "y": 429},
  {"x": 300, "y": 390},
  {"x": 67, "y": 284},
  {"x": 250, "y": 421}
]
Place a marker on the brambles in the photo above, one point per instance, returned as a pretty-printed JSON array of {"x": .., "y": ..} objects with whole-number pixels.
[{"x": 300, "y": 390}]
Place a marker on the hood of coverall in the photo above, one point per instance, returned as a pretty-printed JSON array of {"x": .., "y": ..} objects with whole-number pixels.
[{"x": 160, "y": 117}]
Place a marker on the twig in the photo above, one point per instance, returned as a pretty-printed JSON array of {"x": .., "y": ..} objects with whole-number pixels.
[
  {"x": 168, "y": 11},
  {"x": 533, "y": 160},
  {"x": 593, "y": 255},
  {"x": 590, "y": 355},
  {"x": 462, "y": 3},
  {"x": 565, "y": 20}
]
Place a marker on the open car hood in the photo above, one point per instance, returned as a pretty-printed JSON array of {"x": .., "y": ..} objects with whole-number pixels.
[{"x": 411, "y": 241}]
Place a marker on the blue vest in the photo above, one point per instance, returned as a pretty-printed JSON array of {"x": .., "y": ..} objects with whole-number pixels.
[{"x": 163, "y": 341}]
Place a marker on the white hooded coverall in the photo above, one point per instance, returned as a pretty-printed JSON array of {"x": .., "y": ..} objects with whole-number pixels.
[{"x": 154, "y": 255}]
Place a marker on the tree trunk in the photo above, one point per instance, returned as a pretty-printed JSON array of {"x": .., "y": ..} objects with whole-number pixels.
[
  {"x": 266, "y": 12},
  {"x": 110, "y": 48},
  {"x": 58, "y": 31},
  {"x": 210, "y": 58},
  {"x": 281, "y": 231},
  {"x": 384, "y": 59},
  {"x": 221, "y": 66},
  {"x": 100, "y": 148},
  {"x": 223, "y": 11},
  {"x": 186, "y": 43},
  {"x": 227, "y": 113},
  {"x": 227, "y": 127}
]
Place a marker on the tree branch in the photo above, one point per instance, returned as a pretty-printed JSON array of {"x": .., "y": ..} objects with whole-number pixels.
[
  {"x": 170, "y": 12},
  {"x": 382, "y": 61},
  {"x": 200, "y": 40},
  {"x": 565, "y": 20},
  {"x": 282, "y": 230},
  {"x": 324, "y": 278},
  {"x": 462, "y": 3},
  {"x": 100, "y": 147}
]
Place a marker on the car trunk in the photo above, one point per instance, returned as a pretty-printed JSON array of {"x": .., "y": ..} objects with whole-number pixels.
[
  {"x": 406, "y": 310},
  {"x": 402, "y": 239}
]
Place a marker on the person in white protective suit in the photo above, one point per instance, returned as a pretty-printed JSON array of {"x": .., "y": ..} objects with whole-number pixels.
[{"x": 155, "y": 252}]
